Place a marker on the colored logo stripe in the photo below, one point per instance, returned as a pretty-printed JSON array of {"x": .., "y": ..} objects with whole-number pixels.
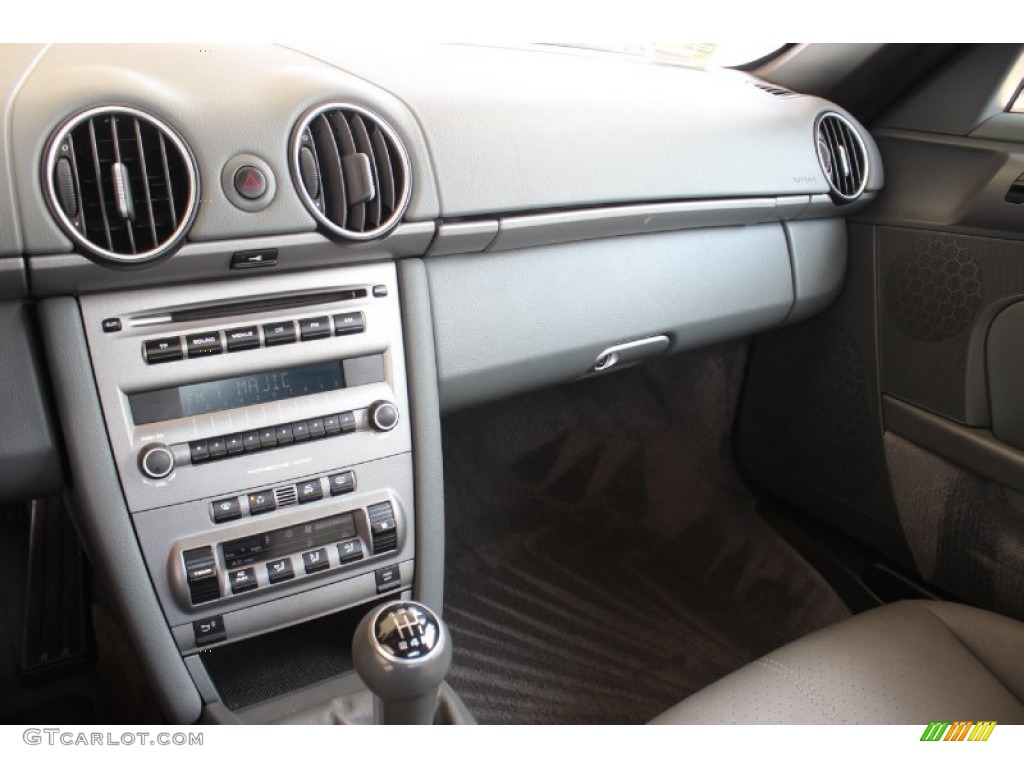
[{"x": 960, "y": 730}]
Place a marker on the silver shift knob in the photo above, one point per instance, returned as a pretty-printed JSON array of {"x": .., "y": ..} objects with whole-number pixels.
[{"x": 402, "y": 652}]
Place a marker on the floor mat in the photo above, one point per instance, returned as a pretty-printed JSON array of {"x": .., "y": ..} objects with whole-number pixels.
[{"x": 604, "y": 558}]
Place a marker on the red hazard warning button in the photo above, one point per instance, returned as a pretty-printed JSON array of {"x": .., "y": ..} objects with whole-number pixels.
[{"x": 250, "y": 182}]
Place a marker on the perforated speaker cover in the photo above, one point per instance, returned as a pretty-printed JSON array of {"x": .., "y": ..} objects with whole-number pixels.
[{"x": 935, "y": 288}]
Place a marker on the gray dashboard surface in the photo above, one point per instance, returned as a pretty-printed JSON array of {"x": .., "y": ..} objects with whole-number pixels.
[
  {"x": 517, "y": 320},
  {"x": 14, "y": 65},
  {"x": 234, "y": 99},
  {"x": 516, "y": 129}
]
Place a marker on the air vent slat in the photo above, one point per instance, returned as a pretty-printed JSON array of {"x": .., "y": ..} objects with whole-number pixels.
[
  {"x": 97, "y": 169},
  {"x": 361, "y": 152},
  {"x": 386, "y": 185},
  {"x": 363, "y": 145},
  {"x": 122, "y": 196},
  {"x": 144, "y": 182},
  {"x": 331, "y": 174},
  {"x": 165, "y": 162},
  {"x": 347, "y": 146},
  {"x": 135, "y": 182},
  {"x": 842, "y": 156}
]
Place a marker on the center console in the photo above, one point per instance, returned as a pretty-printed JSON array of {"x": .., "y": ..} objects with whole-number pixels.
[{"x": 262, "y": 440}]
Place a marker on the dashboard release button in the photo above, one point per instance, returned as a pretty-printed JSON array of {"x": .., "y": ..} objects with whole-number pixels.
[
  {"x": 316, "y": 560},
  {"x": 209, "y": 630},
  {"x": 261, "y": 501},
  {"x": 349, "y": 322},
  {"x": 226, "y": 509},
  {"x": 280, "y": 570},
  {"x": 279, "y": 333},
  {"x": 250, "y": 182},
  {"x": 162, "y": 350},
  {"x": 263, "y": 257},
  {"x": 388, "y": 578},
  {"x": 314, "y": 328},
  {"x": 242, "y": 338},
  {"x": 202, "y": 344},
  {"x": 242, "y": 580}
]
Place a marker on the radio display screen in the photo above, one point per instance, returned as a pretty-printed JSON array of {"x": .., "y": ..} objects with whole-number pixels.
[
  {"x": 287, "y": 541},
  {"x": 236, "y": 392}
]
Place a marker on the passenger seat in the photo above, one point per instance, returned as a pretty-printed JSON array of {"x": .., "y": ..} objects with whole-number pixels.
[{"x": 907, "y": 663}]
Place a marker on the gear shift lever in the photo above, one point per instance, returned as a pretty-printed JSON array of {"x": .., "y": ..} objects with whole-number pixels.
[{"x": 402, "y": 652}]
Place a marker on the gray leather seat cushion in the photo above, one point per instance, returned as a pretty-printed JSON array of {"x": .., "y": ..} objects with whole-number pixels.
[{"x": 905, "y": 663}]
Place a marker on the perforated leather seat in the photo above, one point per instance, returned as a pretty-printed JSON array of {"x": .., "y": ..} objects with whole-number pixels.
[{"x": 907, "y": 663}]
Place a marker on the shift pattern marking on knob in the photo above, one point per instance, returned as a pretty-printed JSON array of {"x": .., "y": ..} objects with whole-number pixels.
[{"x": 406, "y": 631}]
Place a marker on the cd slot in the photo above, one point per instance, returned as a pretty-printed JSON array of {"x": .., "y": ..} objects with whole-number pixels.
[{"x": 249, "y": 306}]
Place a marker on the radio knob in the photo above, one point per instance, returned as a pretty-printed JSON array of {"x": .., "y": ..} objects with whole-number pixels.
[
  {"x": 383, "y": 416},
  {"x": 156, "y": 461}
]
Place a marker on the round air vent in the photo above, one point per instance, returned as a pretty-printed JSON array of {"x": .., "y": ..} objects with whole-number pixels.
[
  {"x": 121, "y": 183},
  {"x": 842, "y": 155},
  {"x": 351, "y": 171}
]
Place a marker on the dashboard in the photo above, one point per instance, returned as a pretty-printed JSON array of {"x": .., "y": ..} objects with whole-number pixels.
[{"x": 263, "y": 274}]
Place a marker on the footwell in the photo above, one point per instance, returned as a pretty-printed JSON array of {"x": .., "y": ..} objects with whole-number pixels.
[{"x": 604, "y": 558}]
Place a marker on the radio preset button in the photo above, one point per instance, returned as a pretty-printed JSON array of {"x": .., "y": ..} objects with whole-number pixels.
[
  {"x": 284, "y": 434},
  {"x": 226, "y": 509},
  {"x": 280, "y": 570},
  {"x": 332, "y": 424},
  {"x": 279, "y": 333},
  {"x": 349, "y": 322},
  {"x": 268, "y": 437},
  {"x": 350, "y": 551},
  {"x": 300, "y": 431},
  {"x": 239, "y": 339},
  {"x": 312, "y": 328},
  {"x": 198, "y": 451},
  {"x": 316, "y": 428},
  {"x": 203, "y": 344},
  {"x": 234, "y": 443},
  {"x": 347, "y": 420},
  {"x": 162, "y": 350},
  {"x": 343, "y": 482},
  {"x": 251, "y": 440},
  {"x": 316, "y": 560},
  {"x": 242, "y": 580},
  {"x": 217, "y": 446},
  {"x": 261, "y": 501}
]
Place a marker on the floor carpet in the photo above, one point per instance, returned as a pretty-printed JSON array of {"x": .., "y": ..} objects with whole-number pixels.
[{"x": 604, "y": 558}]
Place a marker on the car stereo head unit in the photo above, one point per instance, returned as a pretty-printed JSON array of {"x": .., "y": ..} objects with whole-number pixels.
[{"x": 262, "y": 442}]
